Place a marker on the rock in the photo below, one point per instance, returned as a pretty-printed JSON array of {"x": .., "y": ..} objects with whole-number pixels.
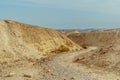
[
  {"x": 27, "y": 75},
  {"x": 11, "y": 74}
]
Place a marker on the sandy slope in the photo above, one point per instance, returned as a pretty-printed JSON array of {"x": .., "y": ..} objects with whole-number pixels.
[
  {"x": 99, "y": 38},
  {"x": 20, "y": 40}
]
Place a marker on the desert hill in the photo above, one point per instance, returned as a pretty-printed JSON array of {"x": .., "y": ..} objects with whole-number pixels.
[
  {"x": 19, "y": 40},
  {"x": 107, "y": 55},
  {"x": 99, "y": 38}
]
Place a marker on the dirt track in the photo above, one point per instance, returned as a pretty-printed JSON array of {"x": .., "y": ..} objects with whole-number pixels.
[{"x": 59, "y": 68}]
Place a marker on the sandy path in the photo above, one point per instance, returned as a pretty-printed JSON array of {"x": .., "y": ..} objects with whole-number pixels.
[
  {"x": 68, "y": 70},
  {"x": 61, "y": 67},
  {"x": 58, "y": 68}
]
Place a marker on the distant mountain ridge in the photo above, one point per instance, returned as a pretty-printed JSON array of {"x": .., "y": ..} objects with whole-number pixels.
[{"x": 80, "y": 30}]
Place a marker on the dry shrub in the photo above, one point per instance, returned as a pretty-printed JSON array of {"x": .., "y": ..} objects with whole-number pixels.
[
  {"x": 84, "y": 45},
  {"x": 61, "y": 48}
]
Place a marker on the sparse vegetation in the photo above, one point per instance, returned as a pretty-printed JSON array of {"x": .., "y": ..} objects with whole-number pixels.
[
  {"x": 84, "y": 45},
  {"x": 61, "y": 48}
]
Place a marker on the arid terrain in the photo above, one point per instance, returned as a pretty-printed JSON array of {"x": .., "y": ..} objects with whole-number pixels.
[
  {"x": 36, "y": 53},
  {"x": 106, "y": 57}
]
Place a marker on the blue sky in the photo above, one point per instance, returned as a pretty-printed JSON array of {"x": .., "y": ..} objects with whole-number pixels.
[{"x": 63, "y": 14}]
